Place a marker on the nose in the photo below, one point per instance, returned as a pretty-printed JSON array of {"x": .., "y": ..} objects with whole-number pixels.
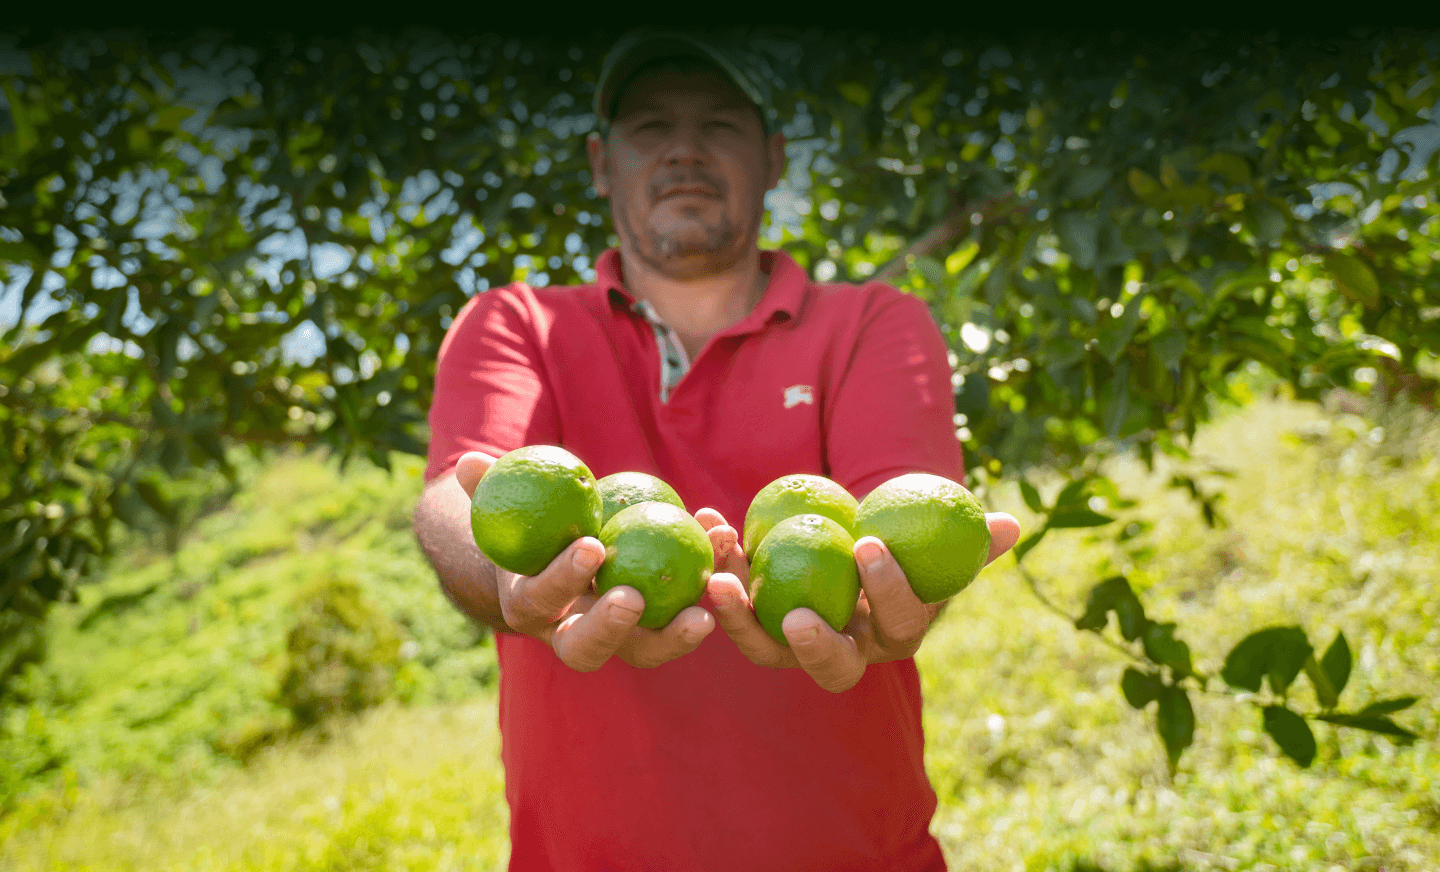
[{"x": 686, "y": 147}]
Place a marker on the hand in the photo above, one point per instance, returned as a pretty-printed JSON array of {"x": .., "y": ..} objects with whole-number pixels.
[
  {"x": 559, "y": 607},
  {"x": 889, "y": 621}
]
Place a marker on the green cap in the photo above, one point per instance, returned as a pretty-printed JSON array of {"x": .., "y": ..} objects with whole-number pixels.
[{"x": 642, "y": 46}]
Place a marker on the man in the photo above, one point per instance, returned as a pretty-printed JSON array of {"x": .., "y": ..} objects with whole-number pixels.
[{"x": 718, "y": 367}]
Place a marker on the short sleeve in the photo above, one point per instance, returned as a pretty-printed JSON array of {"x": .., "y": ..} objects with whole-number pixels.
[
  {"x": 893, "y": 411},
  {"x": 491, "y": 393}
]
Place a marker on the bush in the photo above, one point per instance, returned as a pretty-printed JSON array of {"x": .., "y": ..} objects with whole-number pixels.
[{"x": 343, "y": 652}]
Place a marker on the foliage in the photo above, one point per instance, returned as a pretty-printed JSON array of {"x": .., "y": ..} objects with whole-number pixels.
[
  {"x": 343, "y": 652},
  {"x": 1036, "y": 761},
  {"x": 219, "y": 240},
  {"x": 171, "y": 669}
]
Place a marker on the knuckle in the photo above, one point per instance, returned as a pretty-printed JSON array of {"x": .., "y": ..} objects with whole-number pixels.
[
  {"x": 581, "y": 655},
  {"x": 909, "y": 629},
  {"x": 762, "y": 655},
  {"x": 580, "y": 663}
]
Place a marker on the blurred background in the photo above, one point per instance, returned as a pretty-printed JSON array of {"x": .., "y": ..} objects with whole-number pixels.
[{"x": 1190, "y": 286}]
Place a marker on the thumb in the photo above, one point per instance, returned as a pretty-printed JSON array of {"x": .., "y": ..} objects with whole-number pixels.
[
  {"x": 470, "y": 468},
  {"x": 1004, "y": 533}
]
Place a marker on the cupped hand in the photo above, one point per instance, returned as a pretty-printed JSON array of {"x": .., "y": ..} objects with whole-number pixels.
[
  {"x": 559, "y": 606},
  {"x": 889, "y": 621}
]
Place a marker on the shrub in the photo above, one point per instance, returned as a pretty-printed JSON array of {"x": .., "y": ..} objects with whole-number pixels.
[{"x": 343, "y": 652}]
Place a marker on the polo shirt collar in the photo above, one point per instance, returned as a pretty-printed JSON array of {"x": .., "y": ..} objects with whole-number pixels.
[{"x": 783, "y": 294}]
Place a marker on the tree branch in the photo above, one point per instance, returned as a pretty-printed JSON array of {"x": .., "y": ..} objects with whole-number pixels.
[{"x": 960, "y": 217}]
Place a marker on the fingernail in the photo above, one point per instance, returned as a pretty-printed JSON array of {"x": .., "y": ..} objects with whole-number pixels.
[
  {"x": 586, "y": 560},
  {"x": 807, "y": 635},
  {"x": 870, "y": 555}
]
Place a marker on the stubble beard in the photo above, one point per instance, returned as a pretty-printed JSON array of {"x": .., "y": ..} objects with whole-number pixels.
[{"x": 688, "y": 252}]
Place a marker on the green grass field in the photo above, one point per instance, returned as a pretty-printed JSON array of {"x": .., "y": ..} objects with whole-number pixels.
[{"x": 167, "y": 675}]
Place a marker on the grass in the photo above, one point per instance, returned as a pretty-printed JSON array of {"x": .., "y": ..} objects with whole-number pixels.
[
  {"x": 397, "y": 789},
  {"x": 1039, "y": 762},
  {"x": 1036, "y": 758}
]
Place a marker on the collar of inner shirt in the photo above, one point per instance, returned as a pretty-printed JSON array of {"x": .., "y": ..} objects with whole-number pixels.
[{"x": 674, "y": 362}]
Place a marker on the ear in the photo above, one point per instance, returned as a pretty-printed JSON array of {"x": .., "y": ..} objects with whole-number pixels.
[
  {"x": 599, "y": 163},
  {"x": 775, "y": 157}
]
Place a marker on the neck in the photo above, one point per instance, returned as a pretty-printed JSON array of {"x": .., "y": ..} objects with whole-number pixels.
[{"x": 698, "y": 308}]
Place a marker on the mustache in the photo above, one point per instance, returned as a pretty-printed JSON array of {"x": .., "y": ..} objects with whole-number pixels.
[{"x": 694, "y": 178}]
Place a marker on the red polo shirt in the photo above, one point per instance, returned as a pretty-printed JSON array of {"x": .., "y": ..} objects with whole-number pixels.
[{"x": 707, "y": 762}]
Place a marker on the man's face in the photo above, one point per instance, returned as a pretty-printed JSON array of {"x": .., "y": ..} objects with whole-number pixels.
[{"x": 686, "y": 167}]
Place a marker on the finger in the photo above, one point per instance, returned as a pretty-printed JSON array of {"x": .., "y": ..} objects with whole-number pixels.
[
  {"x": 471, "y": 467},
  {"x": 586, "y": 640},
  {"x": 733, "y": 614},
  {"x": 709, "y": 518},
  {"x": 725, "y": 542},
  {"x": 646, "y": 649},
  {"x": 530, "y": 603},
  {"x": 831, "y": 658},
  {"x": 897, "y": 615},
  {"x": 1004, "y": 533}
]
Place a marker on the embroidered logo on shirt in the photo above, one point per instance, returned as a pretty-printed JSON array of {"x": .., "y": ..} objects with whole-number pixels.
[{"x": 797, "y": 394}]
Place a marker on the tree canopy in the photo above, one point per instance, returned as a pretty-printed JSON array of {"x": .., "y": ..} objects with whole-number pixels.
[{"x": 214, "y": 240}]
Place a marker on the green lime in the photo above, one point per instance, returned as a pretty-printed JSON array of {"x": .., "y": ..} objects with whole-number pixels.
[
  {"x": 935, "y": 528},
  {"x": 531, "y": 504},
  {"x": 629, "y": 488},
  {"x": 661, "y": 551},
  {"x": 794, "y": 495},
  {"x": 805, "y": 561}
]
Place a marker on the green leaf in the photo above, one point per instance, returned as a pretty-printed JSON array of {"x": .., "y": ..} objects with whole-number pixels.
[
  {"x": 1176, "y": 722},
  {"x": 1073, "y": 494},
  {"x": 155, "y": 500},
  {"x": 1032, "y": 497},
  {"x": 18, "y": 252},
  {"x": 1140, "y": 688},
  {"x": 1145, "y": 187},
  {"x": 1114, "y": 594},
  {"x": 1080, "y": 236},
  {"x": 1385, "y": 707},
  {"x": 170, "y": 117},
  {"x": 1232, "y": 166},
  {"x": 1371, "y": 724},
  {"x": 1325, "y": 691},
  {"x": 931, "y": 270},
  {"x": 1030, "y": 542},
  {"x": 1169, "y": 347},
  {"x": 1270, "y": 223},
  {"x": 1115, "y": 399},
  {"x": 1077, "y": 518},
  {"x": 167, "y": 340},
  {"x": 1162, "y": 647},
  {"x": 1087, "y": 182},
  {"x": 855, "y": 92},
  {"x": 1291, "y": 733},
  {"x": 1274, "y": 653},
  {"x": 1336, "y": 663},
  {"x": 1115, "y": 335},
  {"x": 1354, "y": 278}
]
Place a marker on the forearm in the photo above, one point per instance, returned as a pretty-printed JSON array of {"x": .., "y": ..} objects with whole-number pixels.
[{"x": 442, "y": 526}]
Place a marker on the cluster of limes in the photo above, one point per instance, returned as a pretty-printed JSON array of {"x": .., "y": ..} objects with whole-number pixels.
[
  {"x": 534, "y": 501},
  {"x": 799, "y": 535}
]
